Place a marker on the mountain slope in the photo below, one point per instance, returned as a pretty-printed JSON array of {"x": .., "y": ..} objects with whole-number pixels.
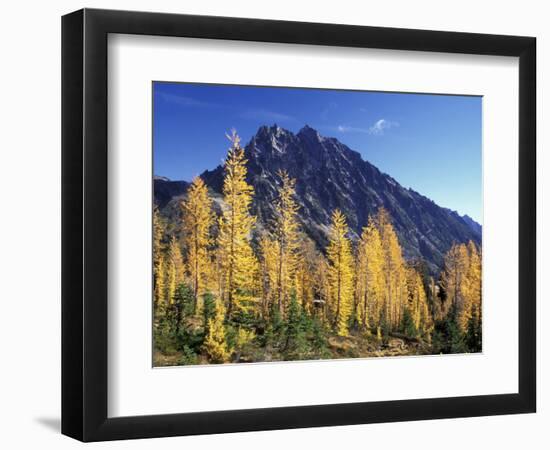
[
  {"x": 476, "y": 227},
  {"x": 330, "y": 175},
  {"x": 166, "y": 190}
]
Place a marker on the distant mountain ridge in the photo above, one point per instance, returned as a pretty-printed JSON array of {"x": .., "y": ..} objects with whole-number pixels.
[
  {"x": 166, "y": 189},
  {"x": 330, "y": 175}
]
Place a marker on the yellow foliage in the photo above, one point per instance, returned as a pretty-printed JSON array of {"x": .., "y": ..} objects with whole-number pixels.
[
  {"x": 376, "y": 288},
  {"x": 160, "y": 286},
  {"x": 176, "y": 269},
  {"x": 238, "y": 263},
  {"x": 457, "y": 284},
  {"x": 461, "y": 279},
  {"x": 474, "y": 276},
  {"x": 418, "y": 302},
  {"x": 340, "y": 273},
  {"x": 394, "y": 271},
  {"x": 268, "y": 263},
  {"x": 369, "y": 289},
  {"x": 285, "y": 226},
  {"x": 321, "y": 284},
  {"x": 305, "y": 282},
  {"x": 244, "y": 337},
  {"x": 171, "y": 284},
  {"x": 215, "y": 344},
  {"x": 158, "y": 231},
  {"x": 197, "y": 221},
  {"x": 158, "y": 261}
]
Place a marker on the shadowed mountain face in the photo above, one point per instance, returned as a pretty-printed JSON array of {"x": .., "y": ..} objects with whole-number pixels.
[
  {"x": 330, "y": 175},
  {"x": 166, "y": 190}
]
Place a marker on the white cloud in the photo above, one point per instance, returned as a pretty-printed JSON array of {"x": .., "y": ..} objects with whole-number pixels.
[
  {"x": 380, "y": 126},
  {"x": 344, "y": 128}
]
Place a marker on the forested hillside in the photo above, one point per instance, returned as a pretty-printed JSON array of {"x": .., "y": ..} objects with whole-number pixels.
[{"x": 231, "y": 286}]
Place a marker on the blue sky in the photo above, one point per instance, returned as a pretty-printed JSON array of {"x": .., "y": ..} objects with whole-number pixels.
[{"x": 430, "y": 143}]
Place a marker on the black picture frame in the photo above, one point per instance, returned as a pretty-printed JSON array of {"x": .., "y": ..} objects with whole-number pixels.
[{"x": 84, "y": 224}]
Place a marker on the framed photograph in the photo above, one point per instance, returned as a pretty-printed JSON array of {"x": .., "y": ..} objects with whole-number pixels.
[{"x": 273, "y": 224}]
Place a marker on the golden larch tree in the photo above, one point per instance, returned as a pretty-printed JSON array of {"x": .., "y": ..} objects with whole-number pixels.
[
  {"x": 159, "y": 287},
  {"x": 268, "y": 273},
  {"x": 158, "y": 231},
  {"x": 394, "y": 271},
  {"x": 340, "y": 273},
  {"x": 176, "y": 269},
  {"x": 475, "y": 283},
  {"x": 285, "y": 231},
  {"x": 307, "y": 259},
  {"x": 369, "y": 288},
  {"x": 171, "y": 283},
  {"x": 456, "y": 284},
  {"x": 197, "y": 221},
  {"x": 215, "y": 343},
  {"x": 321, "y": 286},
  {"x": 418, "y": 303},
  {"x": 237, "y": 260}
]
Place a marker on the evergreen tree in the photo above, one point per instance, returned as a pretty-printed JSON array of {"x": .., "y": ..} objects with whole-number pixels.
[
  {"x": 408, "y": 324},
  {"x": 319, "y": 339},
  {"x": 183, "y": 298},
  {"x": 473, "y": 333},
  {"x": 296, "y": 343},
  {"x": 209, "y": 308},
  {"x": 455, "y": 337}
]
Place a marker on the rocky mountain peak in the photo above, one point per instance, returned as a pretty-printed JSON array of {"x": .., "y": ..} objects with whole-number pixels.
[
  {"x": 330, "y": 175},
  {"x": 310, "y": 133}
]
